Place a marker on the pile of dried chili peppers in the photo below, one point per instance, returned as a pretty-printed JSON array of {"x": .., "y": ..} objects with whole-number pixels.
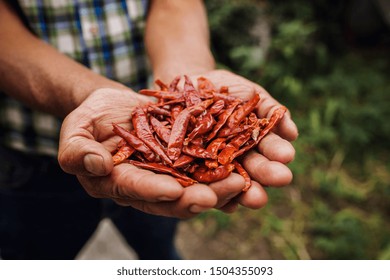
[{"x": 195, "y": 135}]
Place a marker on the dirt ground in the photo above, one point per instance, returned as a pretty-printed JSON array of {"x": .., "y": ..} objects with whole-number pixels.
[{"x": 108, "y": 244}]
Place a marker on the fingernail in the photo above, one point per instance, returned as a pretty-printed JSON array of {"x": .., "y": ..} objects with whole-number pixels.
[
  {"x": 196, "y": 209},
  {"x": 94, "y": 164}
]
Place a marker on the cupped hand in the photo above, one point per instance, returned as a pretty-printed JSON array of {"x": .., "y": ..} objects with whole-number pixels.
[
  {"x": 86, "y": 142},
  {"x": 267, "y": 165}
]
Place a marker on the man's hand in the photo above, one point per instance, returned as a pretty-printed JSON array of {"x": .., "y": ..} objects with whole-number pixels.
[
  {"x": 87, "y": 140},
  {"x": 85, "y": 145},
  {"x": 266, "y": 165}
]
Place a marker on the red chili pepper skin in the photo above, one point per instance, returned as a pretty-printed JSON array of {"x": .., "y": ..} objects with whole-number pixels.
[
  {"x": 226, "y": 98},
  {"x": 123, "y": 153},
  {"x": 211, "y": 163},
  {"x": 173, "y": 85},
  {"x": 153, "y": 109},
  {"x": 180, "y": 125},
  {"x": 252, "y": 119},
  {"x": 207, "y": 175},
  {"x": 191, "y": 95},
  {"x": 198, "y": 142},
  {"x": 170, "y": 102},
  {"x": 217, "y": 107},
  {"x": 276, "y": 117},
  {"x": 238, "y": 115},
  {"x": 224, "y": 90},
  {"x": 197, "y": 152},
  {"x": 183, "y": 160},
  {"x": 229, "y": 132},
  {"x": 206, "y": 85},
  {"x": 184, "y": 183},
  {"x": 193, "y": 132},
  {"x": 161, "y": 130},
  {"x": 175, "y": 111},
  {"x": 191, "y": 168},
  {"x": 216, "y": 145},
  {"x": 161, "y": 84},
  {"x": 141, "y": 127},
  {"x": 243, "y": 173},
  {"x": 206, "y": 88},
  {"x": 161, "y": 94},
  {"x": 198, "y": 109},
  {"x": 154, "y": 166},
  {"x": 227, "y": 154},
  {"x": 134, "y": 141},
  {"x": 222, "y": 118},
  {"x": 204, "y": 124},
  {"x": 178, "y": 132}
]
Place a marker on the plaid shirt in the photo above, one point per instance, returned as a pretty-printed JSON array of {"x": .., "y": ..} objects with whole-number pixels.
[{"x": 104, "y": 35}]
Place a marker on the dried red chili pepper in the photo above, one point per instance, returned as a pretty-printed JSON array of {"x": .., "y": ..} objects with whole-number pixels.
[
  {"x": 161, "y": 84},
  {"x": 161, "y": 130},
  {"x": 238, "y": 115},
  {"x": 216, "y": 145},
  {"x": 222, "y": 118},
  {"x": 197, "y": 152},
  {"x": 154, "y": 166},
  {"x": 158, "y": 110},
  {"x": 226, "y": 98},
  {"x": 183, "y": 160},
  {"x": 227, "y": 154},
  {"x": 243, "y": 173},
  {"x": 226, "y": 131},
  {"x": 204, "y": 124},
  {"x": 141, "y": 127},
  {"x": 217, "y": 107},
  {"x": 274, "y": 120},
  {"x": 135, "y": 142},
  {"x": 161, "y": 94},
  {"x": 173, "y": 85},
  {"x": 198, "y": 148},
  {"x": 206, "y": 85},
  {"x": 224, "y": 90},
  {"x": 175, "y": 111},
  {"x": 204, "y": 174},
  {"x": 191, "y": 95},
  {"x": 123, "y": 153},
  {"x": 199, "y": 108},
  {"x": 178, "y": 134}
]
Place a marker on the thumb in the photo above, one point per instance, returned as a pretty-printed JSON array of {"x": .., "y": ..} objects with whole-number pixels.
[{"x": 81, "y": 155}]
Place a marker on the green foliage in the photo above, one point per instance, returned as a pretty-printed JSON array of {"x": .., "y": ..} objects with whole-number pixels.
[{"x": 338, "y": 94}]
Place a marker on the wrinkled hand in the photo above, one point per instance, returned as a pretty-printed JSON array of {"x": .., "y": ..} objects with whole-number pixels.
[
  {"x": 86, "y": 142},
  {"x": 266, "y": 166},
  {"x": 87, "y": 139}
]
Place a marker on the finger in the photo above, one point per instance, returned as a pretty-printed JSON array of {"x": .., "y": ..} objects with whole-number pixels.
[
  {"x": 254, "y": 198},
  {"x": 227, "y": 188},
  {"x": 83, "y": 156},
  {"x": 128, "y": 182},
  {"x": 276, "y": 148},
  {"x": 287, "y": 129},
  {"x": 266, "y": 172},
  {"x": 196, "y": 198},
  {"x": 79, "y": 151}
]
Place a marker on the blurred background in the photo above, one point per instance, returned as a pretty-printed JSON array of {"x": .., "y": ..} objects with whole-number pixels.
[{"x": 329, "y": 62}]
